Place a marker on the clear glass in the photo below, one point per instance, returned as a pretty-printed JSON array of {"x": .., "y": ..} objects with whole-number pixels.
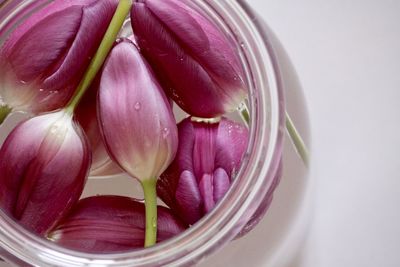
[{"x": 254, "y": 43}]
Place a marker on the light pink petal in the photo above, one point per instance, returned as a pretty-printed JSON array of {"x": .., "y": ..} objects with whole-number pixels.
[
  {"x": 136, "y": 119},
  {"x": 221, "y": 184}
]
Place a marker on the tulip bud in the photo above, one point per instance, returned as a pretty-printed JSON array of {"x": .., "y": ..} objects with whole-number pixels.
[
  {"x": 195, "y": 61},
  {"x": 86, "y": 115},
  {"x": 137, "y": 122},
  {"x": 207, "y": 159},
  {"x": 44, "y": 59},
  {"x": 45, "y": 161},
  {"x": 106, "y": 224}
]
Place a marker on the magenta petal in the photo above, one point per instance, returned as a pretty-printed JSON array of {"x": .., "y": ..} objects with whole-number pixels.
[
  {"x": 207, "y": 192},
  {"x": 203, "y": 154},
  {"x": 86, "y": 115},
  {"x": 207, "y": 160},
  {"x": 106, "y": 224},
  {"x": 57, "y": 58},
  {"x": 194, "y": 65},
  {"x": 221, "y": 184},
  {"x": 36, "y": 190},
  {"x": 188, "y": 197},
  {"x": 137, "y": 122},
  {"x": 231, "y": 144}
]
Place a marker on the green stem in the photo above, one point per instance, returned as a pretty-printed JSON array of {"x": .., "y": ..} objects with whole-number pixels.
[
  {"x": 294, "y": 135},
  {"x": 297, "y": 140},
  {"x": 150, "y": 198},
  {"x": 4, "y": 112},
  {"x": 106, "y": 44},
  {"x": 244, "y": 113}
]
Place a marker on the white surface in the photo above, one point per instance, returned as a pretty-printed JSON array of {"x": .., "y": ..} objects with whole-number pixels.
[{"x": 347, "y": 55}]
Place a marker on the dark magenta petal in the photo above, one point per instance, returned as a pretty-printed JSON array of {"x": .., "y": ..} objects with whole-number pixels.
[
  {"x": 231, "y": 143},
  {"x": 221, "y": 184},
  {"x": 188, "y": 197},
  {"x": 36, "y": 188},
  {"x": 193, "y": 59},
  {"x": 86, "y": 115},
  {"x": 106, "y": 224},
  {"x": 203, "y": 154},
  {"x": 137, "y": 122},
  {"x": 57, "y": 58},
  {"x": 207, "y": 191}
]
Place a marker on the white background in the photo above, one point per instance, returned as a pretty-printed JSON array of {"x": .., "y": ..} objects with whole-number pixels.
[{"x": 347, "y": 55}]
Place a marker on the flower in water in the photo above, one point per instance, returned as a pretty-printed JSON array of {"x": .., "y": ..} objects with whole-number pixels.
[
  {"x": 45, "y": 162},
  {"x": 44, "y": 59},
  {"x": 195, "y": 61},
  {"x": 106, "y": 224},
  {"x": 137, "y": 122},
  {"x": 207, "y": 159}
]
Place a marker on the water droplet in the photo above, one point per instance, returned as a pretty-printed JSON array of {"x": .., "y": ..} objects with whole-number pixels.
[
  {"x": 22, "y": 81},
  {"x": 166, "y": 133},
  {"x": 54, "y": 129},
  {"x": 242, "y": 106},
  {"x": 181, "y": 59},
  {"x": 138, "y": 106},
  {"x": 154, "y": 222},
  {"x": 41, "y": 90}
]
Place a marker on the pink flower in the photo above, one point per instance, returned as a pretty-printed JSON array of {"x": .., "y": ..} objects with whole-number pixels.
[
  {"x": 202, "y": 172},
  {"x": 106, "y": 224},
  {"x": 136, "y": 118},
  {"x": 43, "y": 169},
  {"x": 194, "y": 60},
  {"x": 44, "y": 59}
]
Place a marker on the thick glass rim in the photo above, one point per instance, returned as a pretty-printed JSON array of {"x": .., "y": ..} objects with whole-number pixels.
[{"x": 252, "y": 183}]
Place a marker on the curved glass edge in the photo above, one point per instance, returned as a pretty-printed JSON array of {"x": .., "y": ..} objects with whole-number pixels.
[{"x": 222, "y": 226}]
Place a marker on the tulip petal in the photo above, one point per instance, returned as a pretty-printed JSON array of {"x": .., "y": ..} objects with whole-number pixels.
[
  {"x": 106, "y": 224},
  {"x": 231, "y": 143},
  {"x": 136, "y": 119},
  {"x": 208, "y": 45},
  {"x": 188, "y": 197},
  {"x": 95, "y": 20},
  {"x": 36, "y": 190},
  {"x": 86, "y": 115},
  {"x": 221, "y": 184},
  {"x": 45, "y": 33},
  {"x": 204, "y": 148},
  {"x": 206, "y": 189}
]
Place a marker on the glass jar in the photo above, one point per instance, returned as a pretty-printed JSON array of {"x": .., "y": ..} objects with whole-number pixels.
[{"x": 254, "y": 42}]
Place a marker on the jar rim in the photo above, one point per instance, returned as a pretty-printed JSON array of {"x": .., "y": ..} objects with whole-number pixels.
[{"x": 259, "y": 167}]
